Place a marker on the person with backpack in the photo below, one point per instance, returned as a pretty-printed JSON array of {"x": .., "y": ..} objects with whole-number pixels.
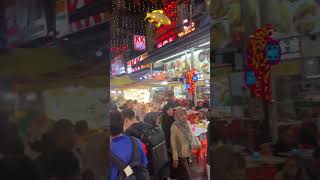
[
  {"x": 154, "y": 139},
  {"x": 127, "y": 158}
]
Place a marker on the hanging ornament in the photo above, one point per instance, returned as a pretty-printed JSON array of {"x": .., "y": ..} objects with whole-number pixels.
[{"x": 158, "y": 17}]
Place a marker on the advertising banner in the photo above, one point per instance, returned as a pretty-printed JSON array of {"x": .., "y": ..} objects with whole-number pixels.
[
  {"x": 25, "y": 21},
  {"x": 139, "y": 43},
  {"x": 61, "y": 18},
  {"x": 291, "y": 17},
  {"x": 117, "y": 65}
]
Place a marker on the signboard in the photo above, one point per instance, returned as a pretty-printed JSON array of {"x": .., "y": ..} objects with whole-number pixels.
[
  {"x": 61, "y": 18},
  {"x": 290, "y": 48},
  {"x": 141, "y": 67},
  {"x": 292, "y": 18},
  {"x": 187, "y": 29},
  {"x": 139, "y": 43},
  {"x": 117, "y": 65},
  {"x": 135, "y": 61},
  {"x": 169, "y": 40},
  {"x": 25, "y": 21},
  {"x": 87, "y": 22},
  {"x": 167, "y": 33}
]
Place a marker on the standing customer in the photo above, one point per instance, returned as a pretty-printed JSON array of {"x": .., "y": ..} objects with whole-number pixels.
[
  {"x": 125, "y": 149},
  {"x": 167, "y": 120},
  {"x": 182, "y": 140}
]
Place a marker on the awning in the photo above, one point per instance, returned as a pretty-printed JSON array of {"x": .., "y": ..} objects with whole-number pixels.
[{"x": 196, "y": 38}]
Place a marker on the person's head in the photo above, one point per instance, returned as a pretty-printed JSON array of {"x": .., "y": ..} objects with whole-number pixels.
[
  {"x": 152, "y": 118},
  {"x": 291, "y": 167},
  {"x": 201, "y": 115},
  {"x": 18, "y": 168},
  {"x": 61, "y": 165},
  {"x": 130, "y": 104},
  {"x": 180, "y": 115},
  {"x": 81, "y": 127},
  {"x": 63, "y": 134},
  {"x": 129, "y": 118},
  {"x": 116, "y": 123},
  {"x": 168, "y": 110}
]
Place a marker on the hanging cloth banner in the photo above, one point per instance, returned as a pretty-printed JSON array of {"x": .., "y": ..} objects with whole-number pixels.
[{"x": 263, "y": 52}]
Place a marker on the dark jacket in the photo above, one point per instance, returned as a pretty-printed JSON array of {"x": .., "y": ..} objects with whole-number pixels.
[
  {"x": 167, "y": 122},
  {"x": 137, "y": 130}
]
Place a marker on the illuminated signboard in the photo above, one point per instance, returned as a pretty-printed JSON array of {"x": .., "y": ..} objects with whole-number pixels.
[
  {"x": 135, "y": 61},
  {"x": 117, "y": 65},
  {"x": 167, "y": 33},
  {"x": 139, "y": 43},
  {"x": 138, "y": 68},
  {"x": 159, "y": 45},
  {"x": 187, "y": 29}
]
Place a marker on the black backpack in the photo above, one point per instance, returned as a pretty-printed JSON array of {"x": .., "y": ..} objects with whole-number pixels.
[
  {"x": 138, "y": 169},
  {"x": 154, "y": 139}
]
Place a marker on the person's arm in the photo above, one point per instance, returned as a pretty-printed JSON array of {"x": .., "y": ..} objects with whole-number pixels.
[
  {"x": 143, "y": 156},
  {"x": 173, "y": 139}
]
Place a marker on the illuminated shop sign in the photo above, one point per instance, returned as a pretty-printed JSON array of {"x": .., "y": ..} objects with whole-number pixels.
[
  {"x": 159, "y": 45},
  {"x": 135, "y": 61},
  {"x": 187, "y": 29},
  {"x": 167, "y": 33},
  {"x": 138, "y": 68},
  {"x": 139, "y": 43}
]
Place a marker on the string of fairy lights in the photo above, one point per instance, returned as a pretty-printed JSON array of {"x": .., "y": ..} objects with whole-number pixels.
[{"x": 128, "y": 20}]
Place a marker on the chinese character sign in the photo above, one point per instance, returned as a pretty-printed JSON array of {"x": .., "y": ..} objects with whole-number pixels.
[
  {"x": 139, "y": 43},
  {"x": 263, "y": 52}
]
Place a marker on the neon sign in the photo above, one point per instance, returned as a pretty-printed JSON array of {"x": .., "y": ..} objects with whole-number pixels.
[
  {"x": 139, "y": 43},
  {"x": 187, "y": 29},
  {"x": 138, "y": 68},
  {"x": 168, "y": 32},
  {"x": 159, "y": 45},
  {"x": 135, "y": 61}
]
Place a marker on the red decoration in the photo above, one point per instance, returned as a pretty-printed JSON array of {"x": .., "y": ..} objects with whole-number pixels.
[
  {"x": 259, "y": 63},
  {"x": 190, "y": 81},
  {"x": 168, "y": 31}
]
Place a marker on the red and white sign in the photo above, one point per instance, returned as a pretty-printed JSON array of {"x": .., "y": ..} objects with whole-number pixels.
[
  {"x": 139, "y": 43},
  {"x": 169, "y": 40},
  {"x": 135, "y": 61},
  {"x": 138, "y": 68},
  {"x": 117, "y": 65},
  {"x": 187, "y": 29},
  {"x": 87, "y": 22}
]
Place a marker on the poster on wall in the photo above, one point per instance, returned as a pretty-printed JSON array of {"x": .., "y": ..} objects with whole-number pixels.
[
  {"x": 139, "y": 43},
  {"x": 228, "y": 28},
  {"x": 25, "y": 21},
  {"x": 117, "y": 65},
  {"x": 61, "y": 18},
  {"x": 292, "y": 17}
]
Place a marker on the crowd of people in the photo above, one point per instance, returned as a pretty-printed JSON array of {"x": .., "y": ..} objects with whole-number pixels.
[
  {"x": 164, "y": 140},
  {"x": 56, "y": 150},
  {"x": 292, "y": 146}
]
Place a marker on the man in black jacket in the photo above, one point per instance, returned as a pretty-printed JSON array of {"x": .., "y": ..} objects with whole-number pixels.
[{"x": 145, "y": 132}]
